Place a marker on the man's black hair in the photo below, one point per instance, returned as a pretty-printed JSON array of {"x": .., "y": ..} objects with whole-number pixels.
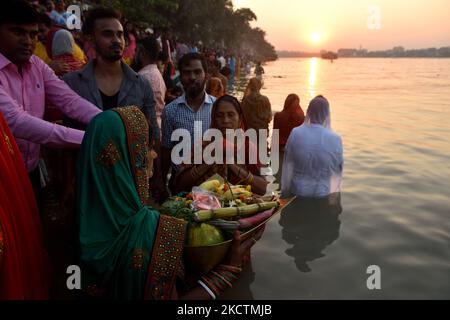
[
  {"x": 188, "y": 57},
  {"x": 163, "y": 56},
  {"x": 96, "y": 14},
  {"x": 18, "y": 12},
  {"x": 45, "y": 19},
  {"x": 151, "y": 46}
]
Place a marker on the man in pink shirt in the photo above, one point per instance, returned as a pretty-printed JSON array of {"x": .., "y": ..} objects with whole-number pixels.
[
  {"x": 27, "y": 84},
  {"x": 148, "y": 57}
]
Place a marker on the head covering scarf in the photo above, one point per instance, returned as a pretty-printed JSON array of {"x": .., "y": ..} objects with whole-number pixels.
[
  {"x": 319, "y": 112},
  {"x": 292, "y": 116},
  {"x": 313, "y": 159},
  {"x": 117, "y": 230},
  {"x": 23, "y": 264},
  {"x": 289, "y": 105},
  {"x": 237, "y": 106},
  {"x": 63, "y": 43},
  {"x": 215, "y": 87},
  {"x": 250, "y": 148}
]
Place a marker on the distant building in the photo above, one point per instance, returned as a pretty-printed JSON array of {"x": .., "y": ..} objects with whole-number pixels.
[
  {"x": 352, "y": 53},
  {"x": 396, "y": 52},
  {"x": 347, "y": 52}
]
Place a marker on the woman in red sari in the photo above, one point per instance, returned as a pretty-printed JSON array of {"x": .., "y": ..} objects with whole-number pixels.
[
  {"x": 292, "y": 116},
  {"x": 226, "y": 114},
  {"x": 23, "y": 266}
]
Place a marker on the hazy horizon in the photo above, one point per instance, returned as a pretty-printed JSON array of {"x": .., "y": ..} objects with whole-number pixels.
[
  {"x": 324, "y": 48},
  {"x": 302, "y": 25}
]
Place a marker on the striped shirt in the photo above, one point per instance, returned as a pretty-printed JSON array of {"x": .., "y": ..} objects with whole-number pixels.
[{"x": 179, "y": 115}]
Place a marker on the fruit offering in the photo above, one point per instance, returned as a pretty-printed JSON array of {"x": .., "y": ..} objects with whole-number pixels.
[{"x": 214, "y": 210}]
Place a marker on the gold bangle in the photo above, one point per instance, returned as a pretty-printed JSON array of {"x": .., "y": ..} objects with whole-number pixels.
[{"x": 249, "y": 178}]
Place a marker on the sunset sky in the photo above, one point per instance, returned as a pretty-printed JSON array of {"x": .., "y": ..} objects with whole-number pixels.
[{"x": 311, "y": 25}]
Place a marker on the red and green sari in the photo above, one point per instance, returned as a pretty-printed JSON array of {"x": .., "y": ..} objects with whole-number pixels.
[{"x": 127, "y": 249}]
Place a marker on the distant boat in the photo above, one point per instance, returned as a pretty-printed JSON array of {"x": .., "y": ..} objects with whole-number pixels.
[{"x": 329, "y": 55}]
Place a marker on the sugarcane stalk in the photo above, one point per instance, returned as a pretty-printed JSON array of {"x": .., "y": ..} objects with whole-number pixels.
[
  {"x": 230, "y": 212},
  {"x": 226, "y": 225}
]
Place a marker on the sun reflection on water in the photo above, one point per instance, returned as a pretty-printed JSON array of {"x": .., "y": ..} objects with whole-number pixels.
[{"x": 312, "y": 77}]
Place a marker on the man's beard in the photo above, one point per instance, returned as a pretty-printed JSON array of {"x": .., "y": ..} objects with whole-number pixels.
[
  {"x": 108, "y": 54},
  {"x": 194, "y": 91}
]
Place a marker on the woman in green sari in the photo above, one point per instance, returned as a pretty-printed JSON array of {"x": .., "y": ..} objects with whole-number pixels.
[{"x": 127, "y": 249}]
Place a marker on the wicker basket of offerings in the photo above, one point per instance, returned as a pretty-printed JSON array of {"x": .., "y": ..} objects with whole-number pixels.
[{"x": 214, "y": 210}]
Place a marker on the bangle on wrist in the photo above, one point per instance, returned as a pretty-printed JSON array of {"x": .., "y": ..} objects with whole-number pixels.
[
  {"x": 222, "y": 278},
  {"x": 208, "y": 280},
  {"x": 233, "y": 269},
  {"x": 239, "y": 172},
  {"x": 249, "y": 178},
  {"x": 204, "y": 286}
]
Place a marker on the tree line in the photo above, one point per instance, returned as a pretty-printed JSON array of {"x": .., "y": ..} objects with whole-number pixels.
[{"x": 214, "y": 23}]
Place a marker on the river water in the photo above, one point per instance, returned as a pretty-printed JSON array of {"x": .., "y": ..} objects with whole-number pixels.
[{"x": 394, "y": 210}]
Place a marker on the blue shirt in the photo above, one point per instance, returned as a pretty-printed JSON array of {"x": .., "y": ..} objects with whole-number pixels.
[
  {"x": 232, "y": 63},
  {"x": 57, "y": 18},
  {"x": 179, "y": 115}
]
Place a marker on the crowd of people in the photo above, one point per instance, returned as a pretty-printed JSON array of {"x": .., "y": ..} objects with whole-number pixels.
[{"x": 87, "y": 125}]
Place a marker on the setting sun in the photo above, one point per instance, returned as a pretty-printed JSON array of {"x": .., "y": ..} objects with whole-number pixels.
[{"x": 315, "y": 37}]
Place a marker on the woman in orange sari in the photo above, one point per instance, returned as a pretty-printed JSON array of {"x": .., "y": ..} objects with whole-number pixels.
[{"x": 23, "y": 265}]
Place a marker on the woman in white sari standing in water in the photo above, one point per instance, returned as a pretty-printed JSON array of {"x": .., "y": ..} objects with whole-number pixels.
[{"x": 313, "y": 160}]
